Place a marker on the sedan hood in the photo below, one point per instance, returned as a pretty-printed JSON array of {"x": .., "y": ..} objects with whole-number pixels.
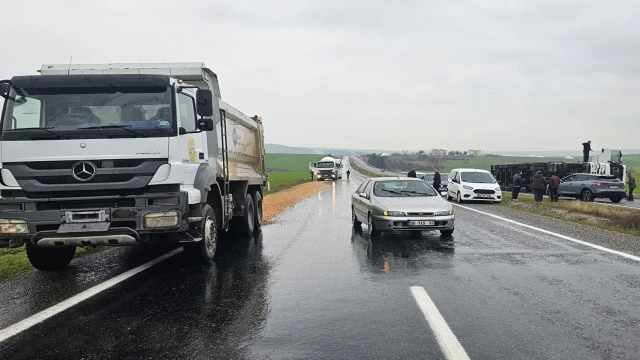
[{"x": 414, "y": 204}]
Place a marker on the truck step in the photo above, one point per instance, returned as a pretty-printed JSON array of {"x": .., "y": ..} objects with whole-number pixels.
[{"x": 195, "y": 219}]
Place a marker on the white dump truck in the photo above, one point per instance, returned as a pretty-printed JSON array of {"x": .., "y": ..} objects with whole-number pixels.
[
  {"x": 123, "y": 154},
  {"x": 327, "y": 169}
]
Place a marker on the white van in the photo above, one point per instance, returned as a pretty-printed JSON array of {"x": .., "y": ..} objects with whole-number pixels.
[{"x": 473, "y": 184}]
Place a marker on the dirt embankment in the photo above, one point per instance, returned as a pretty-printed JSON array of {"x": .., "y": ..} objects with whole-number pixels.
[{"x": 274, "y": 204}]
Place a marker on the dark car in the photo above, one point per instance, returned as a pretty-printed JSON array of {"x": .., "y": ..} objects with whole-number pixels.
[
  {"x": 444, "y": 180},
  {"x": 588, "y": 187}
]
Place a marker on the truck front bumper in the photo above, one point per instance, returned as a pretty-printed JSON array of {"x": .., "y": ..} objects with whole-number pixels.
[{"x": 89, "y": 221}]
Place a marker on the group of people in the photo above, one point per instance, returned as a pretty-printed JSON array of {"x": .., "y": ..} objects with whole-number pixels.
[{"x": 538, "y": 186}]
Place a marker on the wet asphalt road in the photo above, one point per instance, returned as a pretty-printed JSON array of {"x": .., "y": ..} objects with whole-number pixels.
[{"x": 311, "y": 287}]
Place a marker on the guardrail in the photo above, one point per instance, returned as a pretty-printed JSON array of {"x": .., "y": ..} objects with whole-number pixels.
[{"x": 367, "y": 169}]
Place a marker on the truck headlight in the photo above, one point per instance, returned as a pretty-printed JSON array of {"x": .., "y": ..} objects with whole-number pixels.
[
  {"x": 394, "y": 213},
  {"x": 161, "y": 220},
  {"x": 14, "y": 226},
  {"x": 467, "y": 187}
]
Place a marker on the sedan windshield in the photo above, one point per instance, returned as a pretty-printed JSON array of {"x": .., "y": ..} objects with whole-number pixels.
[
  {"x": 478, "y": 178},
  {"x": 397, "y": 188},
  {"x": 87, "y": 112}
]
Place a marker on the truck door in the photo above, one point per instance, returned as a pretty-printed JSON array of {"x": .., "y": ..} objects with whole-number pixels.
[{"x": 193, "y": 144}]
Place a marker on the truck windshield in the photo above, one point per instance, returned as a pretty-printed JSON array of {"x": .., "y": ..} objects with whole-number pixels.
[
  {"x": 325, "y": 165},
  {"x": 87, "y": 113}
]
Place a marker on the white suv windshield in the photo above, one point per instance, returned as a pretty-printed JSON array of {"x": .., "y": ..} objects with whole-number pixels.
[{"x": 478, "y": 178}]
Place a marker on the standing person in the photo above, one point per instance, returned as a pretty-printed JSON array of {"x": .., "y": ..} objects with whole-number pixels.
[
  {"x": 412, "y": 174},
  {"x": 554, "y": 184},
  {"x": 348, "y": 173},
  {"x": 586, "y": 148},
  {"x": 538, "y": 185},
  {"x": 632, "y": 185},
  {"x": 436, "y": 180},
  {"x": 311, "y": 171},
  {"x": 517, "y": 184}
]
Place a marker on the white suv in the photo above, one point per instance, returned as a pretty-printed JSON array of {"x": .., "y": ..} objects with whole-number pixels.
[{"x": 473, "y": 184}]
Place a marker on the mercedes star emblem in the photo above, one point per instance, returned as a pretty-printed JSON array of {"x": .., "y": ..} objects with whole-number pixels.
[{"x": 83, "y": 171}]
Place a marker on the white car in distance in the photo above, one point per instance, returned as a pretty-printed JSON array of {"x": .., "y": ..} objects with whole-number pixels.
[{"x": 473, "y": 185}]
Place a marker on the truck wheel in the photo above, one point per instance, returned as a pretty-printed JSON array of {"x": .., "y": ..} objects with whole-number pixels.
[
  {"x": 586, "y": 195},
  {"x": 245, "y": 224},
  {"x": 47, "y": 259},
  {"x": 204, "y": 250},
  {"x": 258, "y": 204}
]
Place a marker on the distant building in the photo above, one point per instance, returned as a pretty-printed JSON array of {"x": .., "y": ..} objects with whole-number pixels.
[
  {"x": 474, "y": 152},
  {"x": 438, "y": 152}
]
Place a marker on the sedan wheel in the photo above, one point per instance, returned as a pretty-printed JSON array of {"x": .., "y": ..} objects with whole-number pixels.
[
  {"x": 371, "y": 228},
  {"x": 459, "y": 198},
  {"x": 354, "y": 218},
  {"x": 587, "y": 195}
]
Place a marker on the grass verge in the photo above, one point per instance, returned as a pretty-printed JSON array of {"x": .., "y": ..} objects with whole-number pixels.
[
  {"x": 612, "y": 218},
  {"x": 15, "y": 261},
  {"x": 279, "y": 181}
]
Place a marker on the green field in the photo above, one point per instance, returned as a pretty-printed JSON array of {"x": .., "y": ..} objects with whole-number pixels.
[
  {"x": 288, "y": 170},
  {"x": 290, "y": 162}
]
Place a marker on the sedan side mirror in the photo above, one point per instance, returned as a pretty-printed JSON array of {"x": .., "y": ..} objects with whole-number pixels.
[{"x": 363, "y": 195}]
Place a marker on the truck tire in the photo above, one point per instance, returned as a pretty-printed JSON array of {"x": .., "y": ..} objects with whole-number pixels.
[
  {"x": 204, "y": 250},
  {"x": 47, "y": 259},
  {"x": 244, "y": 224},
  {"x": 257, "y": 200}
]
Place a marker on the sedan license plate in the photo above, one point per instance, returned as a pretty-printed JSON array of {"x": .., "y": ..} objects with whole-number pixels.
[
  {"x": 613, "y": 187},
  {"x": 484, "y": 196},
  {"x": 421, "y": 223}
]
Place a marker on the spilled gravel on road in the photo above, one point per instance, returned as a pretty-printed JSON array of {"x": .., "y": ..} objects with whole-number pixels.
[{"x": 274, "y": 204}]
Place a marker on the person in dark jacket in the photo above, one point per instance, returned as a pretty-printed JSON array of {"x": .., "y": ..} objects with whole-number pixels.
[
  {"x": 517, "y": 184},
  {"x": 538, "y": 185},
  {"x": 412, "y": 174},
  {"x": 436, "y": 180},
  {"x": 348, "y": 174},
  {"x": 586, "y": 148},
  {"x": 554, "y": 184},
  {"x": 632, "y": 185}
]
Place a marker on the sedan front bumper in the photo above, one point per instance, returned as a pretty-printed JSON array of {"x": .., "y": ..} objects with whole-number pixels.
[{"x": 393, "y": 223}]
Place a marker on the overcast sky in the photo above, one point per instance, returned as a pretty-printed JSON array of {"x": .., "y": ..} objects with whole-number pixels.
[{"x": 493, "y": 75}]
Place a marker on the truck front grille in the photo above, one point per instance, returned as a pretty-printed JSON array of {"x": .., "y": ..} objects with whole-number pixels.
[{"x": 111, "y": 176}]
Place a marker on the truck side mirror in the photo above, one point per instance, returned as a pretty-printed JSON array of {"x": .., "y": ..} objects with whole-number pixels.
[
  {"x": 204, "y": 101},
  {"x": 205, "y": 124},
  {"x": 5, "y": 86}
]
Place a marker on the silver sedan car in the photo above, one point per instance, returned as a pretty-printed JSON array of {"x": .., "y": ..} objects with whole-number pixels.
[{"x": 400, "y": 204}]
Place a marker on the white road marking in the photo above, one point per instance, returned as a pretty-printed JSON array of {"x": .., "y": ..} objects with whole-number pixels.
[
  {"x": 448, "y": 342},
  {"x": 581, "y": 242},
  {"x": 45, "y": 314}
]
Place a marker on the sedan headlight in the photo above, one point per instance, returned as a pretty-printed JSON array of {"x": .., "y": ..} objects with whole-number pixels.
[
  {"x": 467, "y": 187},
  {"x": 444, "y": 213},
  {"x": 14, "y": 226},
  {"x": 394, "y": 213}
]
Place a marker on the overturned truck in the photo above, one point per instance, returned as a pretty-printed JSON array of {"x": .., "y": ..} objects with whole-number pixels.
[{"x": 607, "y": 163}]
